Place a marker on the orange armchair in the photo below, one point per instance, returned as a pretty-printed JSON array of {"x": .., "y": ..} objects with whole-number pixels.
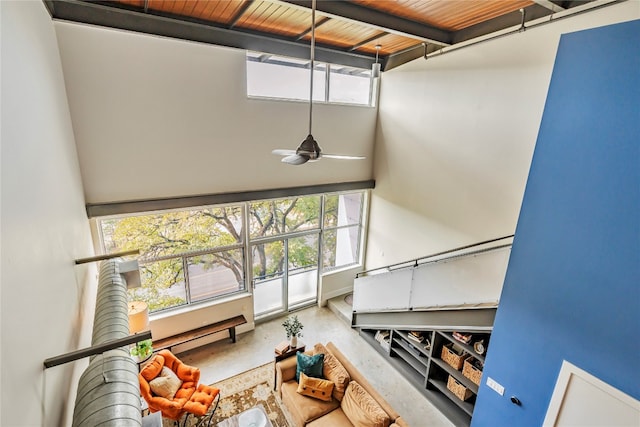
[
  {"x": 189, "y": 397},
  {"x": 171, "y": 408}
]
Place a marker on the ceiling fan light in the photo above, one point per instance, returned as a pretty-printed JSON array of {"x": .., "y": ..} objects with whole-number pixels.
[
  {"x": 309, "y": 147},
  {"x": 295, "y": 159}
]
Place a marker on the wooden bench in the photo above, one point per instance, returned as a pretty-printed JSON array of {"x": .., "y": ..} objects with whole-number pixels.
[{"x": 194, "y": 334}]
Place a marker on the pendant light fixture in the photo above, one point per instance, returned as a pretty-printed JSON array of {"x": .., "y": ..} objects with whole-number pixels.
[{"x": 375, "y": 68}]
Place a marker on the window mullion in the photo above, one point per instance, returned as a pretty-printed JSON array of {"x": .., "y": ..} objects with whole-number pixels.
[
  {"x": 191, "y": 254},
  {"x": 248, "y": 259},
  {"x": 187, "y": 284},
  {"x": 285, "y": 277},
  {"x": 270, "y": 239}
]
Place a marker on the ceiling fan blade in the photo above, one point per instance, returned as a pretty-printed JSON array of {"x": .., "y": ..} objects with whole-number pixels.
[
  {"x": 295, "y": 159},
  {"x": 281, "y": 152},
  {"x": 343, "y": 157}
]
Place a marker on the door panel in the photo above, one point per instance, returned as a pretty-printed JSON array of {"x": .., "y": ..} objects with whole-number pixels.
[
  {"x": 285, "y": 274},
  {"x": 302, "y": 269},
  {"x": 268, "y": 277}
]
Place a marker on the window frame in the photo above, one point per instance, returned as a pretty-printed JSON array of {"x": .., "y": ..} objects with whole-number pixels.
[
  {"x": 246, "y": 243},
  {"x": 360, "y": 225},
  {"x": 284, "y": 61},
  {"x": 183, "y": 256}
]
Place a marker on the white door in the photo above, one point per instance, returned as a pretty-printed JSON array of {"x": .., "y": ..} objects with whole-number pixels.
[{"x": 580, "y": 399}]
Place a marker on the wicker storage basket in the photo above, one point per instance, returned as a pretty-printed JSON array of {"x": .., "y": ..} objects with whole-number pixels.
[
  {"x": 451, "y": 358},
  {"x": 460, "y": 391},
  {"x": 471, "y": 372}
]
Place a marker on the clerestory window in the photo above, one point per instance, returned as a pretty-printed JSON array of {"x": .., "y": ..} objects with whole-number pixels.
[{"x": 279, "y": 77}]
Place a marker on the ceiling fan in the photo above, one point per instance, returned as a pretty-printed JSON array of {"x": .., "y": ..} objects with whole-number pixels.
[{"x": 309, "y": 150}]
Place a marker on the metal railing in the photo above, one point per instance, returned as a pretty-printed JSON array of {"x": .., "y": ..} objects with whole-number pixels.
[{"x": 430, "y": 258}]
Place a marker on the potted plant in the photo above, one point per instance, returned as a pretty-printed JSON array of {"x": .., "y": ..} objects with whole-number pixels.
[
  {"x": 142, "y": 350},
  {"x": 293, "y": 328}
]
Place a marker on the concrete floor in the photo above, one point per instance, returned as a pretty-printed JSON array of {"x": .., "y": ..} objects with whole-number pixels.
[{"x": 223, "y": 359}]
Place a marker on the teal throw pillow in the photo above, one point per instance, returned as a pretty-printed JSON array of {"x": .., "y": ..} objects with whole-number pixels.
[{"x": 310, "y": 365}]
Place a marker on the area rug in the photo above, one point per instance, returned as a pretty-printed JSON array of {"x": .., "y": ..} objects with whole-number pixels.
[{"x": 244, "y": 391}]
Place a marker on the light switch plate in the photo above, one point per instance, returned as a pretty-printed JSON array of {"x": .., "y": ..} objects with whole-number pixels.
[{"x": 495, "y": 386}]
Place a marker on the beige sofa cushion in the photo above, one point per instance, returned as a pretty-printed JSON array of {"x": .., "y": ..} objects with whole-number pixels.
[
  {"x": 335, "y": 418},
  {"x": 304, "y": 409},
  {"x": 360, "y": 379},
  {"x": 362, "y": 409},
  {"x": 333, "y": 371}
]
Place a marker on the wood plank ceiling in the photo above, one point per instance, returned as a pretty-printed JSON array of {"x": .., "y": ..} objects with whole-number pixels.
[{"x": 347, "y": 32}]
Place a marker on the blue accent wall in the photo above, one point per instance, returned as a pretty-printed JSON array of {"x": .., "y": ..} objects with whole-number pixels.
[{"x": 572, "y": 288}]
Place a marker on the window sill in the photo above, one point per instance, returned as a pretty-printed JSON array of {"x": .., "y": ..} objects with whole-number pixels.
[
  {"x": 306, "y": 101},
  {"x": 198, "y": 306},
  {"x": 342, "y": 269}
]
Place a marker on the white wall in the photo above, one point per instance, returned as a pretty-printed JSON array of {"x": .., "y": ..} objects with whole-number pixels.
[
  {"x": 47, "y": 302},
  {"x": 337, "y": 283},
  {"x": 177, "y": 321},
  {"x": 157, "y": 117},
  {"x": 455, "y": 139}
]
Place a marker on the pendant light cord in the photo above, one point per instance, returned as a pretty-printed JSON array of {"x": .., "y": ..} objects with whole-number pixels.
[{"x": 313, "y": 46}]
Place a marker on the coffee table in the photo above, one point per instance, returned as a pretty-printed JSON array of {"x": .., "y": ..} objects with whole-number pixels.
[{"x": 254, "y": 417}]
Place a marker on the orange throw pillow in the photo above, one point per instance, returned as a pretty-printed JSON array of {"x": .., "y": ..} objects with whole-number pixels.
[{"x": 315, "y": 387}]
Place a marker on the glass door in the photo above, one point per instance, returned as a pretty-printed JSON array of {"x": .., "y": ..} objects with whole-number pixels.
[
  {"x": 268, "y": 261},
  {"x": 285, "y": 274},
  {"x": 302, "y": 263}
]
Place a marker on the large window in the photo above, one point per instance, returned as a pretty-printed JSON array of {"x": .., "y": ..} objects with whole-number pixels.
[
  {"x": 271, "y": 76},
  {"x": 275, "y": 217},
  {"x": 342, "y": 229},
  {"x": 196, "y": 255},
  {"x": 185, "y": 256}
]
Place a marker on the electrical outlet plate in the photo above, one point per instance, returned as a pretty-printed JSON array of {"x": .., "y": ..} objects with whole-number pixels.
[{"x": 493, "y": 385}]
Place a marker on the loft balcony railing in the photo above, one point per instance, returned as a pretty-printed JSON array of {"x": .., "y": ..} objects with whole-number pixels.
[
  {"x": 465, "y": 277},
  {"x": 439, "y": 256}
]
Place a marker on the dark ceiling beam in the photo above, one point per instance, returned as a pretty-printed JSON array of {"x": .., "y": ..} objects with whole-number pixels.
[
  {"x": 308, "y": 30},
  {"x": 239, "y": 13},
  {"x": 549, "y": 5},
  {"x": 367, "y": 41},
  {"x": 416, "y": 51},
  {"x": 50, "y": 6},
  {"x": 154, "y": 23},
  {"x": 379, "y": 20},
  {"x": 506, "y": 21},
  {"x": 568, "y": 4},
  {"x": 396, "y": 59},
  {"x": 146, "y": 205},
  {"x": 500, "y": 23}
]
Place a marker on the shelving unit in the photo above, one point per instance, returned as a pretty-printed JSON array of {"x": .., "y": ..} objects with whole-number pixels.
[{"x": 427, "y": 371}]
